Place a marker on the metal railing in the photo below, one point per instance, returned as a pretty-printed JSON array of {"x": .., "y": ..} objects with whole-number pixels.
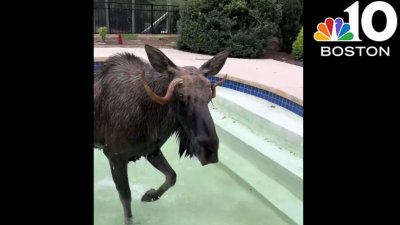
[{"x": 136, "y": 18}]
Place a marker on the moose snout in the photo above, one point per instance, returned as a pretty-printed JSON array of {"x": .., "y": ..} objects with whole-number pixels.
[
  {"x": 213, "y": 158},
  {"x": 209, "y": 161},
  {"x": 208, "y": 157},
  {"x": 207, "y": 149}
]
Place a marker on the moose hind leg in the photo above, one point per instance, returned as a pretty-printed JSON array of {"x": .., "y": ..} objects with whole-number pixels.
[
  {"x": 119, "y": 171},
  {"x": 158, "y": 160}
]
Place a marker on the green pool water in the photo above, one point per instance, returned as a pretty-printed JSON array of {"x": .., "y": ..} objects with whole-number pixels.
[{"x": 206, "y": 195}]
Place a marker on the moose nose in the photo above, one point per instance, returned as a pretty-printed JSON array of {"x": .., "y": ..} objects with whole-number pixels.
[{"x": 213, "y": 158}]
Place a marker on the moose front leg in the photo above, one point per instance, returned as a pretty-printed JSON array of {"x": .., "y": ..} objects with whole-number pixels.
[
  {"x": 119, "y": 171},
  {"x": 158, "y": 160}
]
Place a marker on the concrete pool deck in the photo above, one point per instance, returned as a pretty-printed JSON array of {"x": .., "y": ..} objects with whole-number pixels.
[{"x": 281, "y": 78}]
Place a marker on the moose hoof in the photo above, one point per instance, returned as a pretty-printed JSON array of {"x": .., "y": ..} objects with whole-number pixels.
[
  {"x": 131, "y": 221},
  {"x": 150, "y": 196}
]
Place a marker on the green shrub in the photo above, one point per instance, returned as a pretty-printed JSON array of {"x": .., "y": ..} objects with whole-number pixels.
[
  {"x": 102, "y": 32},
  {"x": 292, "y": 12},
  {"x": 297, "y": 49},
  {"x": 241, "y": 26}
]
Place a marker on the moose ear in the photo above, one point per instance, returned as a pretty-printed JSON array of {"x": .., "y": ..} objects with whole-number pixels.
[
  {"x": 214, "y": 65},
  {"x": 160, "y": 62}
]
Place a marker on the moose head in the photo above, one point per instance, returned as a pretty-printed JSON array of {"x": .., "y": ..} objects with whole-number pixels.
[{"x": 189, "y": 92}]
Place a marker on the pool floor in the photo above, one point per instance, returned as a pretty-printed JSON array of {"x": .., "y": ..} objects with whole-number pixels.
[{"x": 202, "y": 195}]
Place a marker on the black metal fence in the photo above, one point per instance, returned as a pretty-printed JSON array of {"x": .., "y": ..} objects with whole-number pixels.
[{"x": 136, "y": 18}]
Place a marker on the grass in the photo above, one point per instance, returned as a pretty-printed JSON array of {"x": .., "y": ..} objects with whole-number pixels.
[{"x": 130, "y": 36}]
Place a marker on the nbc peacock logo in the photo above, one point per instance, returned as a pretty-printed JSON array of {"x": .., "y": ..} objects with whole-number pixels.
[
  {"x": 336, "y": 30},
  {"x": 333, "y": 30}
]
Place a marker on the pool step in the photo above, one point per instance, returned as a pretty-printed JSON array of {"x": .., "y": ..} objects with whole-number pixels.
[
  {"x": 273, "y": 171},
  {"x": 268, "y": 157},
  {"x": 288, "y": 206},
  {"x": 263, "y": 118}
]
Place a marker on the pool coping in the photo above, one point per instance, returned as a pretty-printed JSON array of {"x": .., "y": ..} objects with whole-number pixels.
[
  {"x": 263, "y": 87},
  {"x": 298, "y": 103}
]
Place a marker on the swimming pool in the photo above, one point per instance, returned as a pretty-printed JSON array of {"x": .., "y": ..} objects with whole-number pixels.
[
  {"x": 202, "y": 195},
  {"x": 258, "y": 181}
]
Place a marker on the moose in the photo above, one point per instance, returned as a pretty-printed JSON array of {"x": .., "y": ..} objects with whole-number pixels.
[{"x": 139, "y": 105}]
